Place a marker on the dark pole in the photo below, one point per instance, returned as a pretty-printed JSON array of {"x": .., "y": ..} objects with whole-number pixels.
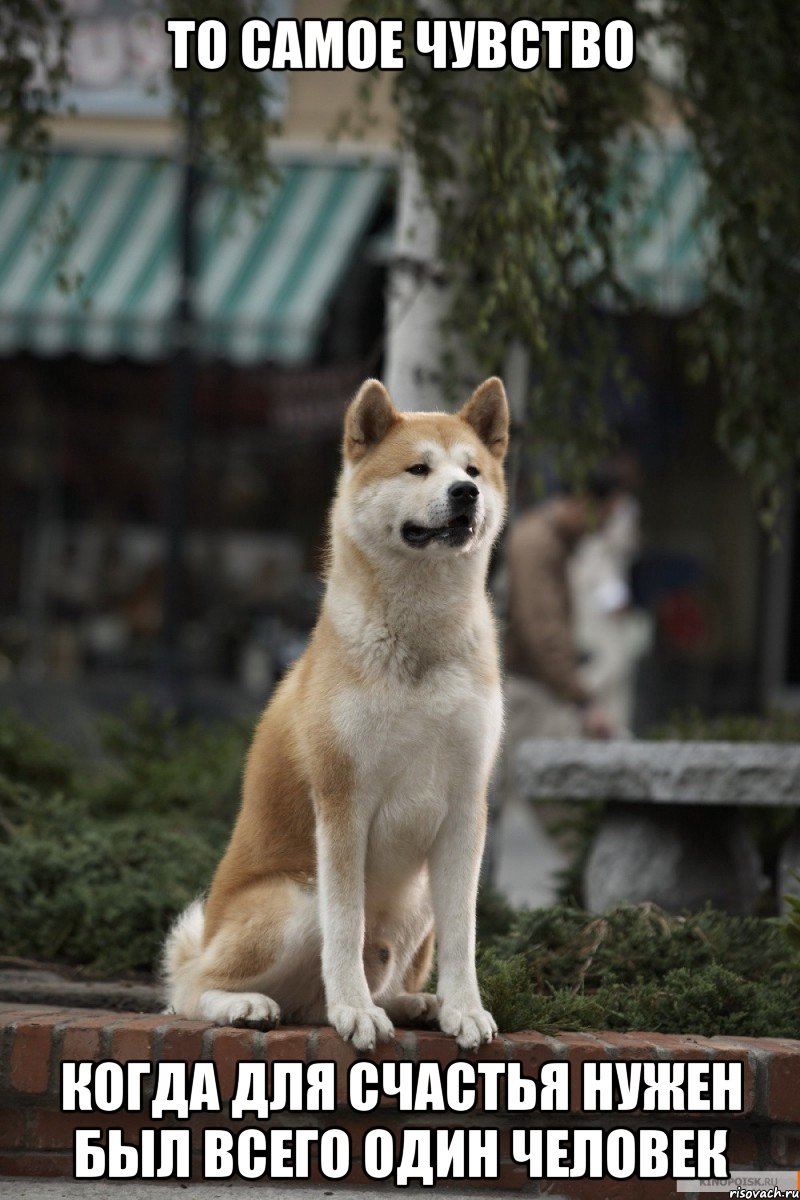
[{"x": 182, "y": 380}]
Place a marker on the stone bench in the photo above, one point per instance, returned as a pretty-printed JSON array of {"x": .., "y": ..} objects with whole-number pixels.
[{"x": 672, "y": 832}]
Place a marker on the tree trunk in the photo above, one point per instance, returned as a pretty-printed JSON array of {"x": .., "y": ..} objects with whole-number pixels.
[{"x": 417, "y": 300}]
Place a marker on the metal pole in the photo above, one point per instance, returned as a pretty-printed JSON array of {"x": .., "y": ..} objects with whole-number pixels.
[{"x": 182, "y": 381}]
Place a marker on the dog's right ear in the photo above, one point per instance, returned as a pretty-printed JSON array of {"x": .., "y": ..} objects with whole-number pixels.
[
  {"x": 369, "y": 418},
  {"x": 487, "y": 412}
]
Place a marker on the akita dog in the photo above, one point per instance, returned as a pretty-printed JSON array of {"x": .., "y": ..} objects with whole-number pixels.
[{"x": 363, "y": 814}]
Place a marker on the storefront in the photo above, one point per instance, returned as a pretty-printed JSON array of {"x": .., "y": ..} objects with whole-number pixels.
[{"x": 288, "y": 316}]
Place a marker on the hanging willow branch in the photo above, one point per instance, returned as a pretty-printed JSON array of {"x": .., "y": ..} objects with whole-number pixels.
[
  {"x": 34, "y": 36},
  {"x": 519, "y": 168}
]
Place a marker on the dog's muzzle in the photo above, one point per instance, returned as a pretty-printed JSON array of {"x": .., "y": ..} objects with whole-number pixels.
[{"x": 462, "y": 499}]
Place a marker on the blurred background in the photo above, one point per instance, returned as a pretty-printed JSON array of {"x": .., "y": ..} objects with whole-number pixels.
[{"x": 175, "y": 358}]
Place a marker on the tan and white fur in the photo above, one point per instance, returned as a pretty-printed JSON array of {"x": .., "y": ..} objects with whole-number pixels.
[{"x": 363, "y": 814}]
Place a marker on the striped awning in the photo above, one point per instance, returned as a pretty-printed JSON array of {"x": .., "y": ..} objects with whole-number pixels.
[
  {"x": 662, "y": 243},
  {"x": 89, "y": 257}
]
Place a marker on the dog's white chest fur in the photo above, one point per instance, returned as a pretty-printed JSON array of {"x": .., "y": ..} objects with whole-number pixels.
[{"x": 414, "y": 748}]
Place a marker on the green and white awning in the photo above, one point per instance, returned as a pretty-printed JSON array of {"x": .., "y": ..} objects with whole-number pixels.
[
  {"x": 88, "y": 257},
  {"x": 662, "y": 244},
  {"x": 88, "y": 252}
]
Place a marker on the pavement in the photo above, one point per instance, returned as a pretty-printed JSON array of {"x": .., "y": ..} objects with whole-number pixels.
[{"x": 23, "y": 981}]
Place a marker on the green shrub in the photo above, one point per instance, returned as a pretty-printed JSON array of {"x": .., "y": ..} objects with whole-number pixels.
[
  {"x": 708, "y": 1003},
  {"x": 792, "y": 925},
  {"x": 638, "y": 968},
  {"x": 567, "y": 947},
  {"x": 160, "y": 765},
  {"x": 95, "y": 863},
  {"x": 692, "y": 725},
  {"x": 100, "y": 896},
  {"x": 30, "y": 756}
]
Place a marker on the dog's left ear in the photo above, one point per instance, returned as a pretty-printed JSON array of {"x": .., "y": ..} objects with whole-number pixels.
[
  {"x": 487, "y": 412},
  {"x": 369, "y": 418}
]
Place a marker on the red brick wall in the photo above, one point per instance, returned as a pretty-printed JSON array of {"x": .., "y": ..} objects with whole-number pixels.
[{"x": 36, "y": 1137}]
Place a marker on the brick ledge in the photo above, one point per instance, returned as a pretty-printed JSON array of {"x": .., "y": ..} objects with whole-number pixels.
[{"x": 36, "y": 1138}]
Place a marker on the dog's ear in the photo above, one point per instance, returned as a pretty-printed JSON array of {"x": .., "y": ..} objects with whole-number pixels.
[
  {"x": 487, "y": 412},
  {"x": 369, "y": 418}
]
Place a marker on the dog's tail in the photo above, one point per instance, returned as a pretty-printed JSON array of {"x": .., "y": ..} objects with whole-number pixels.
[{"x": 180, "y": 958}]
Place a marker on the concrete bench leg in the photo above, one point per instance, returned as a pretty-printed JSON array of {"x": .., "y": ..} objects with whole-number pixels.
[
  {"x": 676, "y": 856},
  {"x": 789, "y": 868}
]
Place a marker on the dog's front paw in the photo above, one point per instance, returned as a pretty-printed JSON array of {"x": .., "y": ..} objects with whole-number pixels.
[
  {"x": 249, "y": 1009},
  {"x": 413, "y": 1006},
  {"x": 361, "y": 1026},
  {"x": 469, "y": 1025}
]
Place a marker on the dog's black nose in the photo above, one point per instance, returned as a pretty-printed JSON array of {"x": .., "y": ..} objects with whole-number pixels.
[{"x": 462, "y": 494}]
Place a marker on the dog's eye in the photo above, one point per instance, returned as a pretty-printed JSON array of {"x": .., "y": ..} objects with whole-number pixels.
[
  {"x": 472, "y": 471},
  {"x": 419, "y": 469}
]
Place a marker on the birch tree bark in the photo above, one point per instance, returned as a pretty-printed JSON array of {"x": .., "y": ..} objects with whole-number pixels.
[{"x": 418, "y": 298}]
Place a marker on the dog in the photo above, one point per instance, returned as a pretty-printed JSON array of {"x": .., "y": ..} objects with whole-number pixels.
[{"x": 363, "y": 812}]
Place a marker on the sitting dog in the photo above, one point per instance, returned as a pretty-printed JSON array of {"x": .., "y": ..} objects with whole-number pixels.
[{"x": 363, "y": 814}]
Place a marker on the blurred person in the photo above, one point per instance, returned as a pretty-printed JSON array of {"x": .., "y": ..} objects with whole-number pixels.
[
  {"x": 611, "y": 634},
  {"x": 547, "y": 695}
]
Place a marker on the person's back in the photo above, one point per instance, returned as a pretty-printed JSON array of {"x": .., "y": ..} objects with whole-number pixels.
[{"x": 539, "y": 641}]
